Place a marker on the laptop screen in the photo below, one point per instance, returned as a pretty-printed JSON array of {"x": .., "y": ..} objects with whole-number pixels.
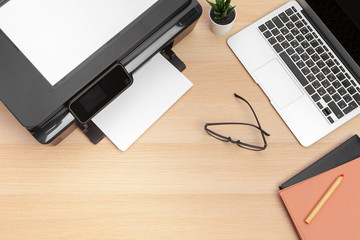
[
  {"x": 58, "y": 35},
  {"x": 343, "y": 20}
]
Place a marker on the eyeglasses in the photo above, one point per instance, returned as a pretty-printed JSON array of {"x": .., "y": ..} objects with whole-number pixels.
[{"x": 238, "y": 142}]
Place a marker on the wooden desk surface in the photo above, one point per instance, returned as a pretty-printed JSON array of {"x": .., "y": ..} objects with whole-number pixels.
[{"x": 175, "y": 182}]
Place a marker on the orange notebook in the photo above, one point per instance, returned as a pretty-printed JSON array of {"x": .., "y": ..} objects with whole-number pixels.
[{"x": 339, "y": 218}]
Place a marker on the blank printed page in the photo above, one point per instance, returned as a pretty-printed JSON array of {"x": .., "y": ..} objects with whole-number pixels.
[{"x": 58, "y": 35}]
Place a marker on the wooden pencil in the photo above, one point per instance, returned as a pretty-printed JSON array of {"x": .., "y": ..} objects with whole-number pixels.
[{"x": 323, "y": 200}]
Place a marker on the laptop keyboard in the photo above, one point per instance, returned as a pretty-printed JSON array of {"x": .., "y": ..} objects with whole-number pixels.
[{"x": 319, "y": 72}]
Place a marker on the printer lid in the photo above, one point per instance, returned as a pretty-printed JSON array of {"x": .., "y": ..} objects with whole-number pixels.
[{"x": 30, "y": 90}]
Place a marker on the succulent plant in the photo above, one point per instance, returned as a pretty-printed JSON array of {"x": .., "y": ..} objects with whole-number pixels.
[{"x": 221, "y": 8}]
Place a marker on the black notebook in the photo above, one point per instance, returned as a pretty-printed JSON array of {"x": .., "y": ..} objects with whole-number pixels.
[{"x": 344, "y": 153}]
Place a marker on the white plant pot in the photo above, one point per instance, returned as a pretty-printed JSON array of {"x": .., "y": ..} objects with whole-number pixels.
[{"x": 219, "y": 29}]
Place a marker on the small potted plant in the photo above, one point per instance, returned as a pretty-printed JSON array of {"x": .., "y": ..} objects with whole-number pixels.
[{"x": 222, "y": 15}]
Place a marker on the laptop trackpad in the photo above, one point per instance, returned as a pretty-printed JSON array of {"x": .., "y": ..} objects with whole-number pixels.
[{"x": 277, "y": 84}]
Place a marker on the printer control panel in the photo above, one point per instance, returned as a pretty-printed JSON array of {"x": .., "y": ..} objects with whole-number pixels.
[{"x": 98, "y": 95}]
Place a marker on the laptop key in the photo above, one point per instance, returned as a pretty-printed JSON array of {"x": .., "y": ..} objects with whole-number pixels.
[
  {"x": 304, "y": 56},
  {"x": 332, "y": 90},
  {"x": 270, "y": 24},
  {"x": 327, "y": 111},
  {"x": 327, "y": 98},
  {"x": 278, "y": 48},
  {"x": 295, "y": 57},
  {"x": 294, "y": 18},
  {"x": 262, "y": 28},
  {"x": 294, "y": 69},
  {"x": 300, "y": 38},
  {"x": 299, "y": 24},
  {"x": 305, "y": 44},
  {"x": 310, "y": 63},
  {"x": 346, "y": 83},
  {"x": 300, "y": 64},
  {"x": 289, "y": 37},
  {"x": 342, "y": 91},
  {"x": 321, "y": 91},
  {"x": 299, "y": 50},
  {"x": 305, "y": 71},
  {"x": 294, "y": 31},
  {"x": 351, "y": 90},
  {"x": 285, "y": 44},
  {"x": 325, "y": 83},
  {"x": 325, "y": 56},
  {"x": 341, "y": 104},
  {"x": 311, "y": 77},
  {"x": 335, "y": 109},
  {"x": 314, "y": 43},
  {"x": 336, "y": 97},
  {"x": 304, "y": 30},
  {"x": 309, "y": 37},
  {"x": 316, "y": 84},
  {"x": 272, "y": 40},
  {"x": 294, "y": 43},
  {"x": 310, "y": 50},
  {"x": 290, "y": 51},
  {"x": 277, "y": 22},
  {"x": 319, "y": 50},
  {"x": 320, "y": 105},
  {"x": 310, "y": 89},
  {"x": 341, "y": 77},
  {"x": 320, "y": 64},
  {"x": 315, "y": 97},
  {"x": 330, "y": 63},
  {"x": 350, "y": 107},
  {"x": 331, "y": 77},
  {"x": 280, "y": 38},
  {"x": 347, "y": 98},
  {"x": 357, "y": 98},
  {"x": 283, "y": 17},
  {"x": 267, "y": 34},
  {"x": 315, "y": 57},
  {"x": 275, "y": 31},
  {"x": 336, "y": 84},
  {"x": 315, "y": 70},
  {"x": 335, "y": 69},
  {"x": 326, "y": 70},
  {"x": 290, "y": 25},
  {"x": 320, "y": 76},
  {"x": 289, "y": 12},
  {"x": 284, "y": 31},
  {"x": 330, "y": 119}
]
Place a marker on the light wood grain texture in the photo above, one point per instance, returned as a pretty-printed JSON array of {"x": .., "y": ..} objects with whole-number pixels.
[{"x": 175, "y": 182}]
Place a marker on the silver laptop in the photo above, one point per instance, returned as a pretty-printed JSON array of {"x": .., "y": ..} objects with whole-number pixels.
[{"x": 305, "y": 56}]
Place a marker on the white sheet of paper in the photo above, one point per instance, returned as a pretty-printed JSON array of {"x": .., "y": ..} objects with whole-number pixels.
[
  {"x": 58, "y": 35},
  {"x": 157, "y": 86}
]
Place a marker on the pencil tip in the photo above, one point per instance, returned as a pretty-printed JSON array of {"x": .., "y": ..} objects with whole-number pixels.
[{"x": 342, "y": 175}]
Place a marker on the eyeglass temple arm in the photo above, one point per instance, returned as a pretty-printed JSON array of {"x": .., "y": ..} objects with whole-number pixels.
[{"x": 257, "y": 120}]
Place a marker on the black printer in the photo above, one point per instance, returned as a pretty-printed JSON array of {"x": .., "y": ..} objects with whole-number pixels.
[{"x": 51, "y": 112}]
